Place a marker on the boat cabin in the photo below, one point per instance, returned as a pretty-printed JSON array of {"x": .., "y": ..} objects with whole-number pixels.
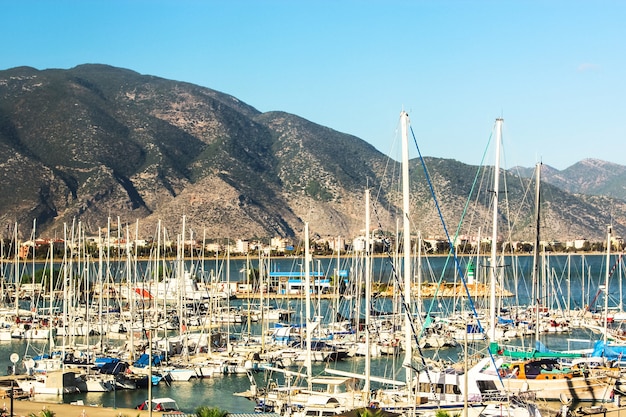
[{"x": 160, "y": 404}]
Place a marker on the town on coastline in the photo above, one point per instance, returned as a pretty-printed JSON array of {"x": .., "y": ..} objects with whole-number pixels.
[{"x": 381, "y": 243}]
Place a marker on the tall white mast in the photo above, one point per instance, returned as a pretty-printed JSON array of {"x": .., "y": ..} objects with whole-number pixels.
[
  {"x": 406, "y": 230},
  {"x": 368, "y": 294},
  {"x": 418, "y": 267},
  {"x": 536, "y": 286},
  {"x": 307, "y": 288},
  {"x": 155, "y": 275},
  {"x": 101, "y": 287},
  {"x": 16, "y": 271},
  {"x": 51, "y": 289},
  {"x": 494, "y": 235},
  {"x": 132, "y": 295},
  {"x": 606, "y": 284}
]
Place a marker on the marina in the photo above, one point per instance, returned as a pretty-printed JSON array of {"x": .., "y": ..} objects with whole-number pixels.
[
  {"x": 218, "y": 390},
  {"x": 477, "y": 342},
  {"x": 207, "y": 211}
]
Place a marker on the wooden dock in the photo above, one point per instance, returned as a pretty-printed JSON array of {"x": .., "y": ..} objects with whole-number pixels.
[{"x": 428, "y": 290}]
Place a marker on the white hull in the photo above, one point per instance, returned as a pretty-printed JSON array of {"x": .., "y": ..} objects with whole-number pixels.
[
  {"x": 51, "y": 383},
  {"x": 39, "y": 334},
  {"x": 208, "y": 371},
  {"x": 94, "y": 383},
  {"x": 181, "y": 374},
  {"x": 597, "y": 389}
]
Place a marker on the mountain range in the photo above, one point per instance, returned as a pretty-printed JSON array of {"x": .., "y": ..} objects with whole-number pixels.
[{"x": 96, "y": 142}]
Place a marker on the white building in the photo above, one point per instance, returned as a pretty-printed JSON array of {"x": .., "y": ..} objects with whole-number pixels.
[
  {"x": 279, "y": 244},
  {"x": 242, "y": 246},
  {"x": 213, "y": 247}
]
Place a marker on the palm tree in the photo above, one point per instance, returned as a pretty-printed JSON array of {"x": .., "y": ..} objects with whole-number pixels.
[
  {"x": 43, "y": 413},
  {"x": 370, "y": 412},
  {"x": 205, "y": 411},
  {"x": 443, "y": 413}
]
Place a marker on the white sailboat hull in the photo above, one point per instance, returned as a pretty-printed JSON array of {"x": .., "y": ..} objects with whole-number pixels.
[{"x": 597, "y": 389}]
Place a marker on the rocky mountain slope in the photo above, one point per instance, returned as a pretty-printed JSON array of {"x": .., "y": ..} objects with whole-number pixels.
[
  {"x": 589, "y": 176},
  {"x": 97, "y": 142}
]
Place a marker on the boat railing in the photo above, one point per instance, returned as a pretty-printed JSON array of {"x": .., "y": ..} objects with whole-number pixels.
[
  {"x": 513, "y": 348},
  {"x": 494, "y": 396},
  {"x": 500, "y": 397}
]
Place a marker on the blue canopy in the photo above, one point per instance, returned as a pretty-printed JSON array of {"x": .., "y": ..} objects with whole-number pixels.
[{"x": 608, "y": 351}]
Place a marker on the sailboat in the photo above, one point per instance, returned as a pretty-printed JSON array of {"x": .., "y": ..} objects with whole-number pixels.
[
  {"x": 301, "y": 394},
  {"x": 424, "y": 391},
  {"x": 542, "y": 374},
  {"x": 433, "y": 388}
]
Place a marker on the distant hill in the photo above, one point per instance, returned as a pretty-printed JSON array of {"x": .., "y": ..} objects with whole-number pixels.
[
  {"x": 96, "y": 142},
  {"x": 589, "y": 176}
]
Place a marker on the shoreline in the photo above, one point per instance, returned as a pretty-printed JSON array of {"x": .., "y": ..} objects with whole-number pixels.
[
  {"x": 254, "y": 257},
  {"x": 23, "y": 408}
]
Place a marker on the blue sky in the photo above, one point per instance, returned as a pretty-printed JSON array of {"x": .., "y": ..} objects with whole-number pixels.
[{"x": 555, "y": 70}]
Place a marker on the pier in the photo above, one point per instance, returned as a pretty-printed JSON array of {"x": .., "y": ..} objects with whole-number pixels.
[{"x": 428, "y": 290}]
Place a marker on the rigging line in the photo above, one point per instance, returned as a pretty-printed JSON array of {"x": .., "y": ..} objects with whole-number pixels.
[
  {"x": 619, "y": 259},
  {"x": 443, "y": 223},
  {"x": 511, "y": 222},
  {"x": 452, "y": 250},
  {"x": 406, "y": 307},
  {"x": 395, "y": 273}
]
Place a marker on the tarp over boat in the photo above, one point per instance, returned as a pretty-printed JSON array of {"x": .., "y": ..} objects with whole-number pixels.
[{"x": 610, "y": 352}]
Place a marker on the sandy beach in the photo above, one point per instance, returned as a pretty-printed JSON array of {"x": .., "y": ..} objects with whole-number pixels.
[{"x": 23, "y": 408}]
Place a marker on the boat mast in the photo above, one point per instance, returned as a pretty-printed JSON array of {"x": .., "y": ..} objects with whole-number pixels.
[
  {"x": 419, "y": 273},
  {"x": 131, "y": 293},
  {"x": 101, "y": 290},
  {"x": 154, "y": 299},
  {"x": 606, "y": 284},
  {"x": 182, "y": 325},
  {"x": 536, "y": 286},
  {"x": 51, "y": 289},
  {"x": 16, "y": 271},
  {"x": 110, "y": 283},
  {"x": 66, "y": 325},
  {"x": 2, "y": 270},
  {"x": 228, "y": 346},
  {"x": 406, "y": 225},
  {"x": 32, "y": 280},
  {"x": 261, "y": 308},
  {"x": 494, "y": 235},
  {"x": 368, "y": 295},
  {"x": 338, "y": 280},
  {"x": 307, "y": 289}
]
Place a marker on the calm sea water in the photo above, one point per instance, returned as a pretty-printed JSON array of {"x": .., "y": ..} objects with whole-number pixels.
[
  {"x": 562, "y": 273},
  {"x": 565, "y": 277}
]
